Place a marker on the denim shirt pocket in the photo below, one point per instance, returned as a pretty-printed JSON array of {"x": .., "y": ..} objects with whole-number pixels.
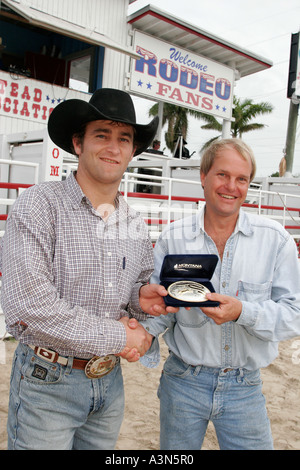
[{"x": 253, "y": 292}]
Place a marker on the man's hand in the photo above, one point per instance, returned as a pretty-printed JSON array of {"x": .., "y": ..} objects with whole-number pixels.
[
  {"x": 138, "y": 340},
  {"x": 229, "y": 309},
  {"x": 152, "y": 300}
]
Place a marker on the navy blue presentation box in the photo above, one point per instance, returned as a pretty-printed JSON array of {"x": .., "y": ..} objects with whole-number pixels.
[{"x": 197, "y": 268}]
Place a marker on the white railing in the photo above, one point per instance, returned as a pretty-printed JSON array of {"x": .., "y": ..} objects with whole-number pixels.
[
  {"x": 35, "y": 166},
  {"x": 160, "y": 209},
  {"x": 163, "y": 204}
]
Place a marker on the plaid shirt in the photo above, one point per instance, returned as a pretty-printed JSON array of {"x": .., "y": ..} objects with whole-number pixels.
[{"x": 68, "y": 276}]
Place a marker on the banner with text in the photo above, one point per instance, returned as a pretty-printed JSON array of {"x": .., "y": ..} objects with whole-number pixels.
[
  {"x": 294, "y": 69},
  {"x": 169, "y": 73},
  {"x": 32, "y": 100}
]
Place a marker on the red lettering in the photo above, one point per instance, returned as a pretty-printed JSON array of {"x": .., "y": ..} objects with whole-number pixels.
[
  {"x": 207, "y": 103},
  {"x": 194, "y": 98},
  {"x": 14, "y": 89},
  {"x": 44, "y": 115},
  {"x": 3, "y": 85},
  {"x": 24, "y": 110},
  {"x": 15, "y": 110},
  {"x": 37, "y": 95},
  {"x": 6, "y": 106},
  {"x": 55, "y": 153},
  {"x": 36, "y": 108},
  {"x": 163, "y": 89},
  {"x": 176, "y": 95},
  {"x": 26, "y": 95},
  {"x": 54, "y": 170}
]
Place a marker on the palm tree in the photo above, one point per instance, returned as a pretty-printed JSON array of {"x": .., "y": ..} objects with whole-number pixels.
[
  {"x": 243, "y": 112},
  {"x": 177, "y": 119}
]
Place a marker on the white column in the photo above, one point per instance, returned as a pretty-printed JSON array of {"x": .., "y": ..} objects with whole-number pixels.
[
  {"x": 160, "y": 115},
  {"x": 226, "y": 128}
]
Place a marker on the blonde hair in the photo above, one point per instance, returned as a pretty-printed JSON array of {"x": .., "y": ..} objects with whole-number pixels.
[{"x": 210, "y": 153}]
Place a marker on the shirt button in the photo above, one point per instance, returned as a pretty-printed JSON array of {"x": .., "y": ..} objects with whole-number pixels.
[
  {"x": 110, "y": 284},
  {"x": 107, "y": 315},
  {"x": 224, "y": 284},
  {"x": 226, "y": 347},
  {"x": 109, "y": 253}
]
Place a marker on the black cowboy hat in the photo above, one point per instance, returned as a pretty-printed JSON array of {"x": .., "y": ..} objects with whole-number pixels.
[{"x": 110, "y": 104}]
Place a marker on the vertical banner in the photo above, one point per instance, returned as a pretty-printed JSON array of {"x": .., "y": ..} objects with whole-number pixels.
[
  {"x": 169, "y": 73},
  {"x": 52, "y": 160},
  {"x": 293, "y": 90}
]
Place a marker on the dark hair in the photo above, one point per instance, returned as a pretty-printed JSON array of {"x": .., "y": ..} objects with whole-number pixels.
[{"x": 79, "y": 135}]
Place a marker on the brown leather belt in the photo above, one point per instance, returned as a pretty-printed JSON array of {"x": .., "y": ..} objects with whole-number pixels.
[{"x": 94, "y": 368}]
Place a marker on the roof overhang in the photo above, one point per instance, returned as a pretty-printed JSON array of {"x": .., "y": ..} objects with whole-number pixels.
[
  {"x": 58, "y": 25},
  {"x": 162, "y": 25}
]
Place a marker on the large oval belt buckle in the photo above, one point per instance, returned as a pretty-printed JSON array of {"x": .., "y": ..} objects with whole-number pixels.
[
  {"x": 99, "y": 366},
  {"x": 188, "y": 291}
]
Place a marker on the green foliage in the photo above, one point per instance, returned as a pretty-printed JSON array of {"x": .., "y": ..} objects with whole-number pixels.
[{"x": 244, "y": 111}]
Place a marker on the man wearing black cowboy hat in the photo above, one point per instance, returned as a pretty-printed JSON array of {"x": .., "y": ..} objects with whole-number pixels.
[{"x": 76, "y": 262}]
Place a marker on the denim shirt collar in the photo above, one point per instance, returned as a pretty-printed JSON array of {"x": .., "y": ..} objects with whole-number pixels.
[{"x": 243, "y": 224}]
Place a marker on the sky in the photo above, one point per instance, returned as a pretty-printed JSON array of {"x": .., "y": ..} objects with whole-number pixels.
[{"x": 263, "y": 27}]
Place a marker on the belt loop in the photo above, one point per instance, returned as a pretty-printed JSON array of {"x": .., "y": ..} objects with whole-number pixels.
[
  {"x": 69, "y": 365},
  {"x": 240, "y": 375},
  {"x": 197, "y": 370}
]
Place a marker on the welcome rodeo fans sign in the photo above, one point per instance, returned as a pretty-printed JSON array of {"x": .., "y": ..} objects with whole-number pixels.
[{"x": 166, "y": 72}]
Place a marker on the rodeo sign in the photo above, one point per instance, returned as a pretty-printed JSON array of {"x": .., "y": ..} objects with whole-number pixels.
[{"x": 166, "y": 72}]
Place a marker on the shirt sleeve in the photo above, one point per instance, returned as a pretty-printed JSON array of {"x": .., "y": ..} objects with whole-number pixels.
[
  {"x": 157, "y": 325},
  {"x": 30, "y": 300},
  {"x": 134, "y": 309},
  {"x": 276, "y": 318}
]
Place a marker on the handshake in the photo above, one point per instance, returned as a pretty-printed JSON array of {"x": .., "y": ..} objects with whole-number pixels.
[
  {"x": 138, "y": 339},
  {"x": 152, "y": 302}
]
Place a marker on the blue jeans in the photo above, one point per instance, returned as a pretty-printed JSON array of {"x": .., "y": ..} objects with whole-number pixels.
[
  {"x": 190, "y": 397},
  {"x": 54, "y": 407}
]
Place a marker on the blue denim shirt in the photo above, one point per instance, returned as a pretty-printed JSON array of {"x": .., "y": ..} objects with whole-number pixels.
[{"x": 260, "y": 266}]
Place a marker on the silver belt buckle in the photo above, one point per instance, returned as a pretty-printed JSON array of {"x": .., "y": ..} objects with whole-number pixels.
[
  {"x": 99, "y": 366},
  {"x": 188, "y": 291}
]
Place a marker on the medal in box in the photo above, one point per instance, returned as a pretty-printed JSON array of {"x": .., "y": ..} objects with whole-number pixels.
[{"x": 187, "y": 280}]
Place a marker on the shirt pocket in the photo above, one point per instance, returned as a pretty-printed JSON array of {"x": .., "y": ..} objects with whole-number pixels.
[
  {"x": 128, "y": 267},
  {"x": 253, "y": 292}
]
